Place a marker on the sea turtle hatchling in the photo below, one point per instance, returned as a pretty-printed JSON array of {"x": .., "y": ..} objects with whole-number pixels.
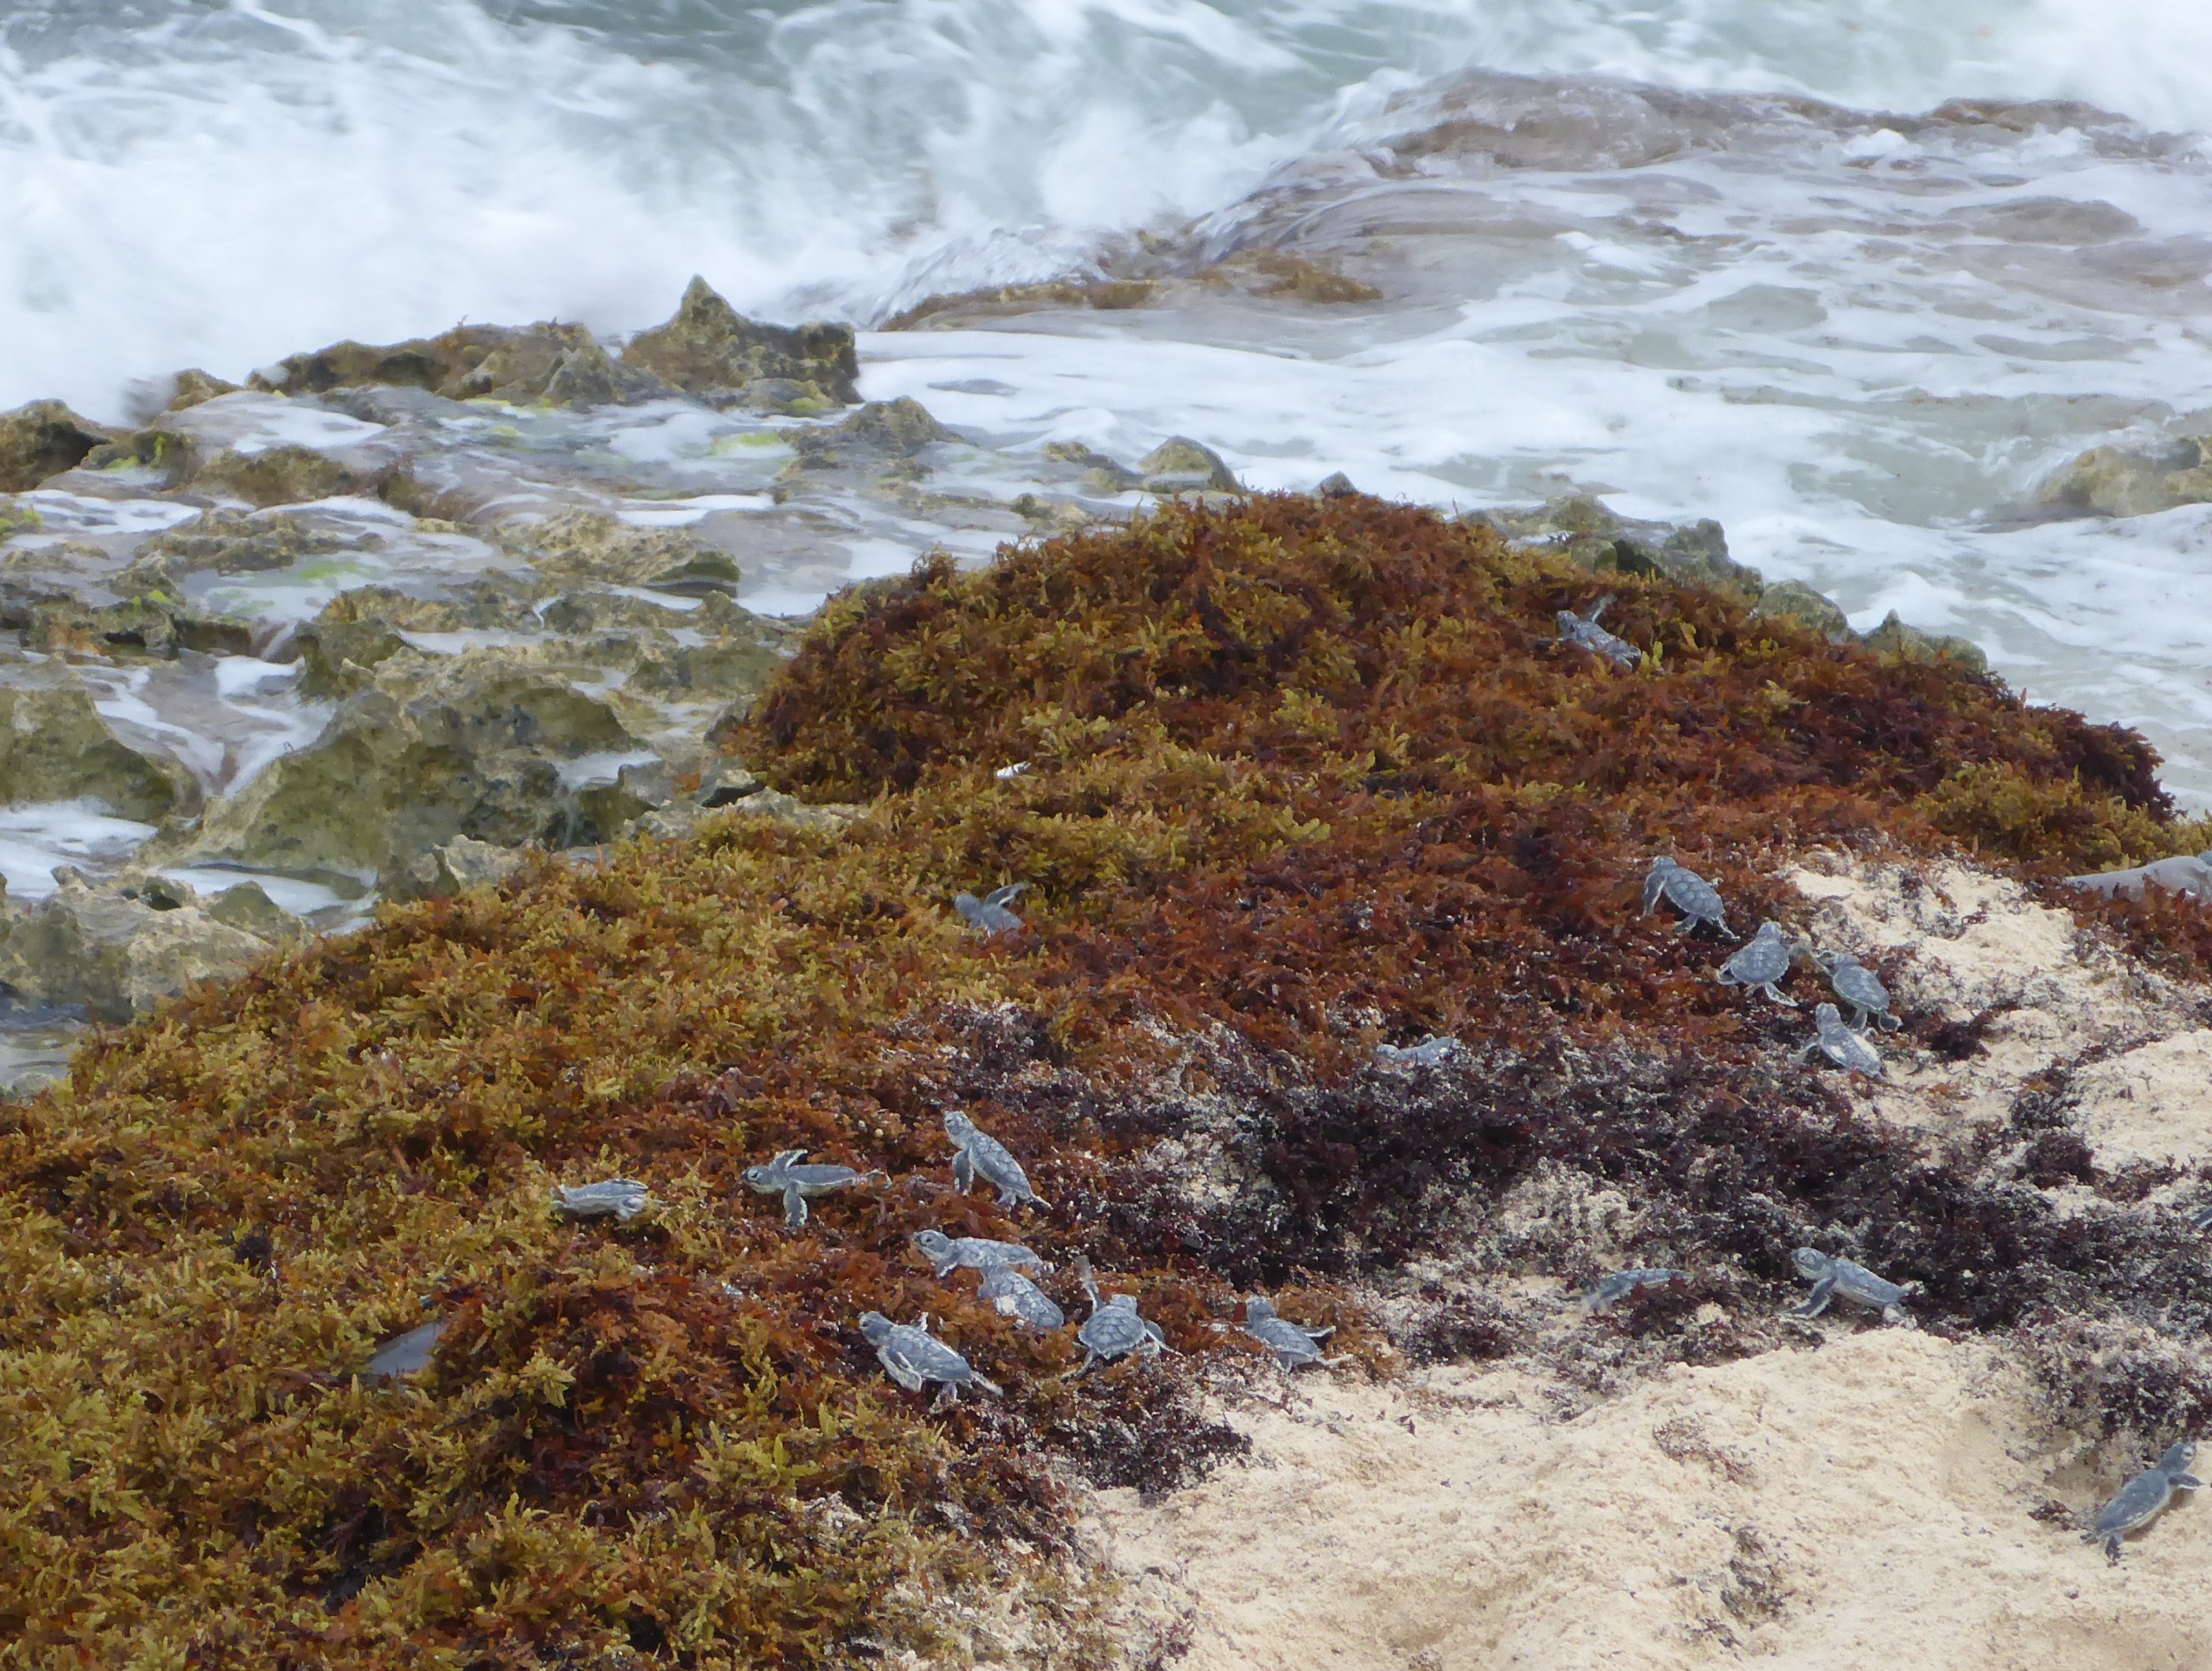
[
  {"x": 1616, "y": 1286},
  {"x": 1862, "y": 988},
  {"x": 1432, "y": 1051},
  {"x": 1293, "y": 1344},
  {"x": 1584, "y": 633},
  {"x": 1842, "y": 1047},
  {"x": 2140, "y": 1501},
  {"x": 798, "y": 1184},
  {"x": 620, "y": 1200},
  {"x": 1689, "y": 893},
  {"x": 1113, "y": 1328},
  {"x": 1010, "y": 1294},
  {"x": 1832, "y": 1276},
  {"x": 949, "y": 1253},
  {"x": 977, "y": 1154},
  {"x": 1764, "y": 961},
  {"x": 913, "y": 1356},
  {"x": 988, "y": 915}
]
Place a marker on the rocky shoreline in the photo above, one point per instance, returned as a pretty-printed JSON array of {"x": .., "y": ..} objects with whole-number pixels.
[{"x": 383, "y": 620}]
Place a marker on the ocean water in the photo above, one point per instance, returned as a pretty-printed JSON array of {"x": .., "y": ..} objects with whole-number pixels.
[{"x": 1706, "y": 258}]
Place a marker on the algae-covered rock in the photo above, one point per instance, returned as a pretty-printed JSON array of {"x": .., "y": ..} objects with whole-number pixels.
[
  {"x": 461, "y": 863},
  {"x": 115, "y": 952},
  {"x": 42, "y": 440},
  {"x": 282, "y": 475},
  {"x": 882, "y": 432},
  {"x": 1179, "y": 465},
  {"x": 55, "y": 746},
  {"x": 711, "y": 349},
  {"x": 196, "y": 387},
  {"x": 593, "y": 545},
  {"x": 247, "y": 905},
  {"x": 1893, "y": 638},
  {"x": 561, "y": 365},
  {"x": 429, "y": 748},
  {"x": 223, "y": 542},
  {"x": 1589, "y": 534},
  {"x": 1794, "y": 600},
  {"x": 2132, "y": 481}
]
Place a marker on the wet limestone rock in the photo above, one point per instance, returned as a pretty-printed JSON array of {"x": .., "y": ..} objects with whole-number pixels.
[
  {"x": 1893, "y": 638},
  {"x": 711, "y": 349},
  {"x": 55, "y": 746},
  {"x": 1179, "y": 465},
  {"x": 1794, "y": 600},
  {"x": 1593, "y": 537},
  {"x": 282, "y": 475},
  {"x": 430, "y": 749},
  {"x": 42, "y": 440},
  {"x": 247, "y": 905},
  {"x": 116, "y": 952},
  {"x": 883, "y": 433},
  {"x": 460, "y": 864},
  {"x": 196, "y": 387},
  {"x": 2132, "y": 481},
  {"x": 592, "y": 545},
  {"x": 560, "y": 365}
]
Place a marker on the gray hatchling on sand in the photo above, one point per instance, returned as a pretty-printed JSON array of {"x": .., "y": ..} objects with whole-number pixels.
[
  {"x": 1430, "y": 1052},
  {"x": 1616, "y": 1286},
  {"x": 798, "y": 1184},
  {"x": 913, "y": 1356},
  {"x": 1113, "y": 1328},
  {"x": 1293, "y": 1344},
  {"x": 2142, "y": 1499},
  {"x": 1862, "y": 988},
  {"x": 1010, "y": 1293},
  {"x": 1834, "y": 1276},
  {"x": 988, "y": 915},
  {"x": 949, "y": 1253},
  {"x": 976, "y": 1154},
  {"x": 1689, "y": 893},
  {"x": 1584, "y": 632},
  {"x": 620, "y": 1200},
  {"x": 1759, "y": 964},
  {"x": 1842, "y": 1047}
]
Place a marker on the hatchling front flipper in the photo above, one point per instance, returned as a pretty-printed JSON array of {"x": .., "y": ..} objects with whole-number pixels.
[
  {"x": 1816, "y": 1301},
  {"x": 964, "y": 1168},
  {"x": 904, "y": 1373}
]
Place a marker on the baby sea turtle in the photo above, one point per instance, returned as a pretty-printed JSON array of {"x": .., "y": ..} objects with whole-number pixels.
[
  {"x": 620, "y": 1200},
  {"x": 1293, "y": 1344},
  {"x": 1010, "y": 1294},
  {"x": 950, "y": 1253},
  {"x": 1113, "y": 1328},
  {"x": 1832, "y": 1276},
  {"x": 1841, "y": 1045},
  {"x": 988, "y": 915},
  {"x": 977, "y": 1154},
  {"x": 2202, "y": 1217},
  {"x": 2139, "y": 1501},
  {"x": 912, "y": 1356},
  {"x": 1430, "y": 1052},
  {"x": 404, "y": 1354},
  {"x": 1689, "y": 893},
  {"x": 2183, "y": 873},
  {"x": 798, "y": 1184},
  {"x": 1616, "y": 1286},
  {"x": 1762, "y": 963},
  {"x": 1584, "y": 633},
  {"x": 1862, "y": 988}
]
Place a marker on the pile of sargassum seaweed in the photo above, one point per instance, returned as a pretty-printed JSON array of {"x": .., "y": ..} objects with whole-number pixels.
[{"x": 1304, "y": 777}]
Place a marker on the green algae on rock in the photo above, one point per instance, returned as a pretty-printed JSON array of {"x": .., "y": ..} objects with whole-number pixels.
[
  {"x": 1303, "y": 776},
  {"x": 42, "y": 440}
]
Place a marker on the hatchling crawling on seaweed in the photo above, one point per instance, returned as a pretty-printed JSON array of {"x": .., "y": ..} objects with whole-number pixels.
[
  {"x": 949, "y": 1253},
  {"x": 1113, "y": 1328},
  {"x": 2143, "y": 1498},
  {"x": 977, "y": 1154},
  {"x": 1689, "y": 893},
  {"x": 620, "y": 1200},
  {"x": 798, "y": 1184},
  {"x": 1010, "y": 1294},
  {"x": 1616, "y": 1286},
  {"x": 1584, "y": 633},
  {"x": 1862, "y": 988},
  {"x": 1834, "y": 1277},
  {"x": 989, "y": 915},
  {"x": 1763, "y": 961},
  {"x": 913, "y": 1356},
  {"x": 1842, "y": 1047},
  {"x": 1293, "y": 1344}
]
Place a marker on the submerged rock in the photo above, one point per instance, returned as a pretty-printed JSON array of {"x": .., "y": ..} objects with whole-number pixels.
[
  {"x": 882, "y": 432},
  {"x": 1179, "y": 465},
  {"x": 711, "y": 349},
  {"x": 42, "y": 440}
]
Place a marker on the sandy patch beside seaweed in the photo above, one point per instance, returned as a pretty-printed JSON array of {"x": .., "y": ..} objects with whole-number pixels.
[
  {"x": 2123, "y": 1048},
  {"x": 1869, "y": 1503}
]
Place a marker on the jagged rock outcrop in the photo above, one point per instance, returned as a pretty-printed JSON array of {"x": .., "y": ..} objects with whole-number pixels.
[
  {"x": 711, "y": 349},
  {"x": 55, "y": 746},
  {"x": 2132, "y": 479},
  {"x": 118, "y": 949},
  {"x": 42, "y": 440},
  {"x": 560, "y": 365}
]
